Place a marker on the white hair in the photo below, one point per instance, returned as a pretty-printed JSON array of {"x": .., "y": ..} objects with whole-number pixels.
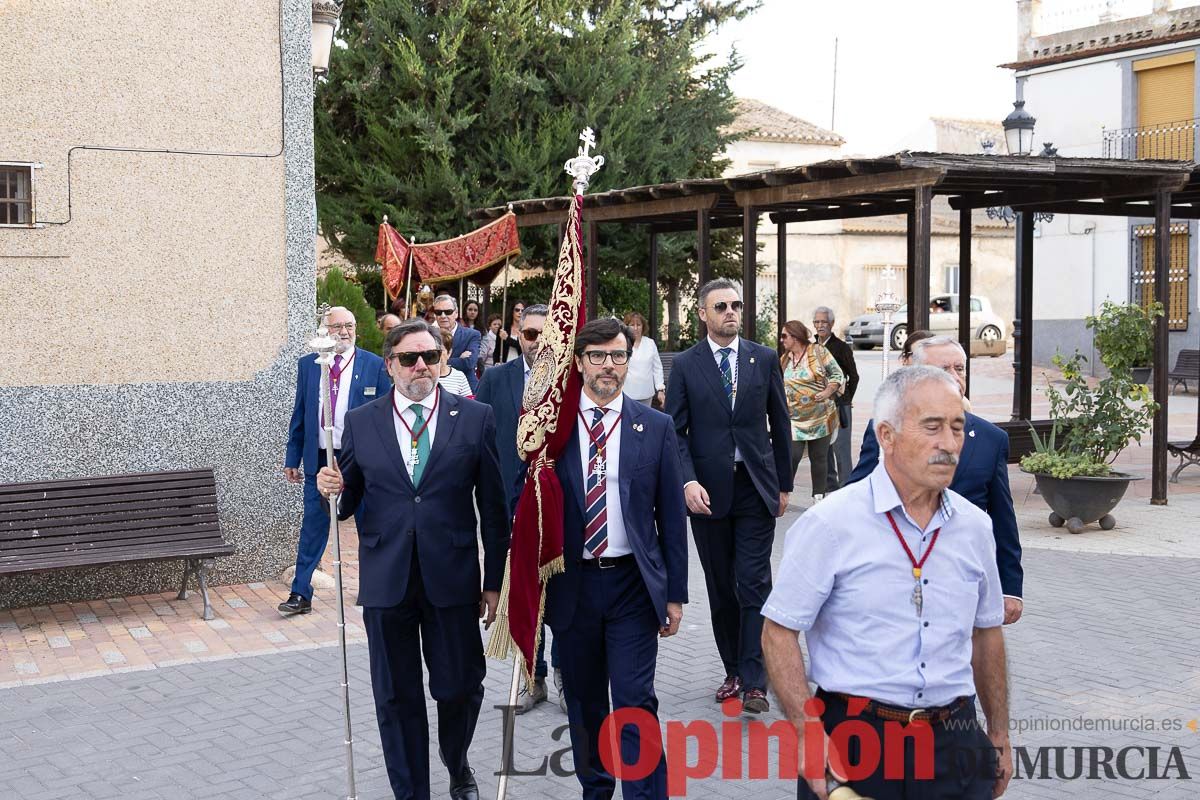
[
  {"x": 891, "y": 401},
  {"x": 442, "y": 297},
  {"x": 919, "y": 348},
  {"x": 827, "y": 310}
]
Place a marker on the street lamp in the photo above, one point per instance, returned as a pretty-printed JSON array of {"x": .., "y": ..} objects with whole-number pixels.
[
  {"x": 887, "y": 304},
  {"x": 325, "y": 15},
  {"x": 1018, "y": 130}
]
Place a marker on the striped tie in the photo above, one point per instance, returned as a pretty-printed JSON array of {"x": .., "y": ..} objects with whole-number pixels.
[
  {"x": 595, "y": 532},
  {"x": 726, "y": 371}
]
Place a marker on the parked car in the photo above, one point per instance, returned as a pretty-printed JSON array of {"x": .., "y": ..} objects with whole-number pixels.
[{"x": 866, "y": 331}]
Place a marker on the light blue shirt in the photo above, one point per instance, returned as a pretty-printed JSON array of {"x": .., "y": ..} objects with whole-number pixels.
[{"x": 846, "y": 581}]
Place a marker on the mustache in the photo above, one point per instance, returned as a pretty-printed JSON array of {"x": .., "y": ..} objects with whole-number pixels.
[{"x": 943, "y": 457}]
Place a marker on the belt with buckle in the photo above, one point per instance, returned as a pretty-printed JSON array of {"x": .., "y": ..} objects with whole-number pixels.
[
  {"x": 604, "y": 562},
  {"x": 888, "y": 713}
]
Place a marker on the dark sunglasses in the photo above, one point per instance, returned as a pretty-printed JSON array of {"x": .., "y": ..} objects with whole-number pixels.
[
  {"x": 443, "y": 312},
  {"x": 410, "y": 359},
  {"x": 531, "y": 335},
  {"x": 736, "y": 305}
]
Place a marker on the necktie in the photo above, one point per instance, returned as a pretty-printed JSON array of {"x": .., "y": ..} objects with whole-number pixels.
[
  {"x": 595, "y": 532},
  {"x": 335, "y": 377},
  {"x": 422, "y": 432},
  {"x": 726, "y": 372}
]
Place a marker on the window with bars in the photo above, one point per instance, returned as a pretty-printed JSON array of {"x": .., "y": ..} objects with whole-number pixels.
[
  {"x": 16, "y": 194},
  {"x": 1142, "y": 273}
]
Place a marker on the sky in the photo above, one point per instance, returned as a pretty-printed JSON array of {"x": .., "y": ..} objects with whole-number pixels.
[{"x": 899, "y": 63}]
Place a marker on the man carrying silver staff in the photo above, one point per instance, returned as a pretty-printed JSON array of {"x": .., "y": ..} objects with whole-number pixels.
[
  {"x": 894, "y": 582},
  {"x": 413, "y": 460}
]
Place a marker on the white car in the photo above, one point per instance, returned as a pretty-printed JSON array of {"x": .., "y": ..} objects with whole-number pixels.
[{"x": 866, "y": 331}]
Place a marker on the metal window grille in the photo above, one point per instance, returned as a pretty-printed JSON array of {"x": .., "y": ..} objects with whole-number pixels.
[
  {"x": 16, "y": 195},
  {"x": 1142, "y": 273}
]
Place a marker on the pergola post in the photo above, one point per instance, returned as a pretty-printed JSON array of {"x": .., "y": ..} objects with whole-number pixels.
[
  {"x": 593, "y": 274},
  {"x": 910, "y": 250},
  {"x": 1023, "y": 321},
  {"x": 703, "y": 247},
  {"x": 485, "y": 305},
  {"x": 918, "y": 271},
  {"x": 652, "y": 320},
  {"x": 964, "y": 288},
  {"x": 749, "y": 273},
  {"x": 1162, "y": 266},
  {"x": 781, "y": 285}
]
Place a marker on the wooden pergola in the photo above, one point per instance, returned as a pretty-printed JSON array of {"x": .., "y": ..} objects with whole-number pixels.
[{"x": 905, "y": 183}]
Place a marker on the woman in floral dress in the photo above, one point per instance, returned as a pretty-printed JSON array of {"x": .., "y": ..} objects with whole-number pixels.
[{"x": 811, "y": 378}]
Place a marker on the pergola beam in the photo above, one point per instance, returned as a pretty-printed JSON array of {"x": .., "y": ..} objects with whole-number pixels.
[
  {"x": 1107, "y": 189},
  {"x": 840, "y": 187}
]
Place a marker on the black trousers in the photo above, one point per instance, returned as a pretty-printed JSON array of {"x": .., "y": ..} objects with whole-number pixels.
[
  {"x": 964, "y": 761},
  {"x": 453, "y": 650},
  {"x": 735, "y": 552}
]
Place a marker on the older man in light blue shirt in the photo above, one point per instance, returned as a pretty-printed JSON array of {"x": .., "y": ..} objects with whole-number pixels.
[{"x": 894, "y": 582}]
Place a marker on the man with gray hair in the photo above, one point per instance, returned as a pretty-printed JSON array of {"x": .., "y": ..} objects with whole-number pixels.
[
  {"x": 464, "y": 350},
  {"x": 893, "y": 581},
  {"x": 982, "y": 474},
  {"x": 840, "y": 459}
]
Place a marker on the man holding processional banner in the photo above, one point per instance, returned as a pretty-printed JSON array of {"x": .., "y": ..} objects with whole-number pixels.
[{"x": 600, "y": 535}]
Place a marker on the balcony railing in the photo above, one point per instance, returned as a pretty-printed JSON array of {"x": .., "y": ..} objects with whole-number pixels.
[{"x": 1165, "y": 141}]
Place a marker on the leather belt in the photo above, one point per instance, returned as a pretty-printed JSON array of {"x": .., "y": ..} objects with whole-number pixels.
[
  {"x": 899, "y": 714},
  {"x": 603, "y": 562}
]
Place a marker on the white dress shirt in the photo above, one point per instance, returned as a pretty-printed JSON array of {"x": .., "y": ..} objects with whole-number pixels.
[
  {"x": 402, "y": 435},
  {"x": 848, "y": 583},
  {"x": 618, "y": 542},
  {"x": 645, "y": 376},
  {"x": 343, "y": 400},
  {"x": 733, "y": 368}
]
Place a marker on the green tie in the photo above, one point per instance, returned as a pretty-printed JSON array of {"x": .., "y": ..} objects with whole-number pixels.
[{"x": 422, "y": 442}]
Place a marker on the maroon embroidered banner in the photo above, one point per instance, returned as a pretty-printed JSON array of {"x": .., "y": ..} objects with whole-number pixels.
[{"x": 478, "y": 255}]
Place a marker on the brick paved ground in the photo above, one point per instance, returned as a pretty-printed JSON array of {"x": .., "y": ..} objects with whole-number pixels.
[{"x": 139, "y": 698}]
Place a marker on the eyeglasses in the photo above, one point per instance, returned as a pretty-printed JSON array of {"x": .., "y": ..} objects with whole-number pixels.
[
  {"x": 720, "y": 307},
  {"x": 410, "y": 359},
  {"x": 784, "y": 335},
  {"x": 531, "y": 334},
  {"x": 342, "y": 326},
  {"x": 596, "y": 357},
  {"x": 443, "y": 312}
]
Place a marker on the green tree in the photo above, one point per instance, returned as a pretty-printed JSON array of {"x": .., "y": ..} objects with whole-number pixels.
[
  {"x": 436, "y": 108},
  {"x": 335, "y": 290}
]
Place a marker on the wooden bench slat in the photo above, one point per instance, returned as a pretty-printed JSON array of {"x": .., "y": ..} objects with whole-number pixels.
[
  {"x": 141, "y": 530},
  {"x": 64, "y": 506},
  {"x": 24, "y": 528},
  {"x": 156, "y": 539},
  {"x": 103, "y": 559},
  {"x": 128, "y": 479},
  {"x": 147, "y": 520},
  {"x": 76, "y": 492}
]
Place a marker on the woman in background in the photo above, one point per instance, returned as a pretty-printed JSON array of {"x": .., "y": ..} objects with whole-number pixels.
[
  {"x": 470, "y": 316},
  {"x": 487, "y": 347},
  {"x": 508, "y": 341},
  {"x": 811, "y": 377},
  {"x": 644, "y": 382},
  {"x": 451, "y": 379}
]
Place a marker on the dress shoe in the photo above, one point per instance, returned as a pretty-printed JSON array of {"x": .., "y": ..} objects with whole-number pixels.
[
  {"x": 532, "y": 695},
  {"x": 730, "y": 688},
  {"x": 295, "y": 604},
  {"x": 755, "y": 701},
  {"x": 818, "y": 498},
  {"x": 562, "y": 696},
  {"x": 463, "y": 786}
]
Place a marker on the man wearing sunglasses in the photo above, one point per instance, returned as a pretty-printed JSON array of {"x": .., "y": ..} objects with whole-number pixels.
[
  {"x": 625, "y": 551},
  {"x": 726, "y": 396},
  {"x": 417, "y": 462},
  {"x": 502, "y": 387},
  {"x": 357, "y": 377},
  {"x": 464, "y": 352}
]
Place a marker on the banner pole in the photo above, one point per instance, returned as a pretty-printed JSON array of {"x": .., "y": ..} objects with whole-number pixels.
[{"x": 408, "y": 280}]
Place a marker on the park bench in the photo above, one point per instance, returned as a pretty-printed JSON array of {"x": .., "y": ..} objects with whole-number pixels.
[
  {"x": 667, "y": 360},
  {"x": 156, "y": 516},
  {"x": 1187, "y": 368},
  {"x": 1188, "y": 454}
]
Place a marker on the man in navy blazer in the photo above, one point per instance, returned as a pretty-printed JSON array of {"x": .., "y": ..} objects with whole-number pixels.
[
  {"x": 417, "y": 462},
  {"x": 464, "y": 353},
  {"x": 360, "y": 377},
  {"x": 731, "y": 418},
  {"x": 625, "y": 549},
  {"x": 981, "y": 475}
]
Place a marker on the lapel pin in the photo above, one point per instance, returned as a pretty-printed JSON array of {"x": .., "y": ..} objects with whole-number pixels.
[
  {"x": 637, "y": 426},
  {"x": 454, "y": 413},
  {"x": 751, "y": 359},
  {"x": 971, "y": 433}
]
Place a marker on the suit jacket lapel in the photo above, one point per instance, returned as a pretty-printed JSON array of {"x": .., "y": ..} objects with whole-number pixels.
[
  {"x": 710, "y": 370},
  {"x": 631, "y": 446},
  {"x": 447, "y": 418},
  {"x": 516, "y": 384},
  {"x": 745, "y": 371},
  {"x": 968, "y": 448},
  {"x": 386, "y": 427},
  {"x": 573, "y": 467}
]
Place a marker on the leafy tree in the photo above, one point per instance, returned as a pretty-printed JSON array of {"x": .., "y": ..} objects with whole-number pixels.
[
  {"x": 439, "y": 107},
  {"x": 337, "y": 291}
]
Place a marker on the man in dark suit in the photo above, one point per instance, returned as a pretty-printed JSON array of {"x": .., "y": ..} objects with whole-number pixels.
[
  {"x": 981, "y": 475},
  {"x": 464, "y": 352},
  {"x": 731, "y": 418},
  {"x": 625, "y": 549},
  {"x": 418, "y": 461},
  {"x": 840, "y": 463},
  {"x": 356, "y": 377}
]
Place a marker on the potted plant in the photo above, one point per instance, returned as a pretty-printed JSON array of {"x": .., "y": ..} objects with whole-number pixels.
[
  {"x": 1092, "y": 425},
  {"x": 1124, "y": 337}
]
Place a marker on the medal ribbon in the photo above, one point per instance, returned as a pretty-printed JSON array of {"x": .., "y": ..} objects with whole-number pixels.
[
  {"x": 416, "y": 435},
  {"x": 592, "y": 437},
  {"x": 916, "y": 565}
]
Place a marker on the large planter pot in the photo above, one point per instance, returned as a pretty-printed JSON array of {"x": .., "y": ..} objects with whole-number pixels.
[
  {"x": 1141, "y": 374},
  {"x": 1076, "y": 502}
]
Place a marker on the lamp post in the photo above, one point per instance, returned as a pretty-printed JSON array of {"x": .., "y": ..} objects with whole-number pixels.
[
  {"x": 1018, "y": 130},
  {"x": 325, "y": 14},
  {"x": 887, "y": 304}
]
